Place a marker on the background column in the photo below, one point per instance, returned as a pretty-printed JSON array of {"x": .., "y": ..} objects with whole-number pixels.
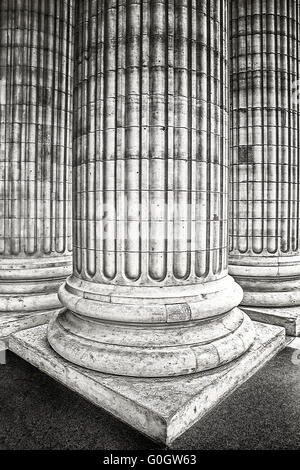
[
  {"x": 265, "y": 151},
  {"x": 35, "y": 144},
  {"x": 150, "y": 294}
]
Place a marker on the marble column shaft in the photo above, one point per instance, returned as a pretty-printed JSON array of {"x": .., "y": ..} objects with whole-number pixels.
[
  {"x": 36, "y": 46},
  {"x": 265, "y": 129},
  {"x": 150, "y": 293}
]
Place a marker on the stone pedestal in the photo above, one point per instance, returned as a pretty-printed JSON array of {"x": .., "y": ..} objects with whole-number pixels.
[
  {"x": 35, "y": 159},
  {"x": 265, "y": 203},
  {"x": 161, "y": 408}
]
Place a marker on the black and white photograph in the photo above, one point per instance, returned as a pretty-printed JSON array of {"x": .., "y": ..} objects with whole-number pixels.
[{"x": 149, "y": 229}]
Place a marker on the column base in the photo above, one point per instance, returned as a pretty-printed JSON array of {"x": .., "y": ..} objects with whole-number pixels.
[
  {"x": 150, "y": 331},
  {"x": 287, "y": 317},
  {"x": 28, "y": 291},
  {"x": 161, "y": 408}
]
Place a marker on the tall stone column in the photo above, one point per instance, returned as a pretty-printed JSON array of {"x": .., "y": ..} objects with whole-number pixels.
[
  {"x": 150, "y": 294},
  {"x": 265, "y": 130},
  {"x": 35, "y": 165}
]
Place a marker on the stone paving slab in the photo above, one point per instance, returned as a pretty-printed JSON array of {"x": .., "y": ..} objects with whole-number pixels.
[{"x": 160, "y": 408}]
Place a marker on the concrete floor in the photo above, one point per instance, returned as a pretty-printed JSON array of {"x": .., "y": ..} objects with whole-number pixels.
[{"x": 38, "y": 413}]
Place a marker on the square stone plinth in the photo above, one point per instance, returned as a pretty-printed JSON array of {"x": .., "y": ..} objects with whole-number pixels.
[
  {"x": 160, "y": 408},
  {"x": 287, "y": 317},
  {"x": 12, "y": 322}
]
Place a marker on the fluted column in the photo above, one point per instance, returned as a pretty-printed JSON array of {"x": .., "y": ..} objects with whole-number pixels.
[
  {"x": 150, "y": 294},
  {"x": 35, "y": 125},
  {"x": 265, "y": 127}
]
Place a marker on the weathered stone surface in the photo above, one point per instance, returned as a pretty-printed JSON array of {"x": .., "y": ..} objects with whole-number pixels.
[
  {"x": 150, "y": 294},
  {"x": 12, "y": 322},
  {"x": 264, "y": 177},
  {"x": 36, "y": 46},
  {"x": 288, "y": 317},
  {"x": 162, "y": 408}
]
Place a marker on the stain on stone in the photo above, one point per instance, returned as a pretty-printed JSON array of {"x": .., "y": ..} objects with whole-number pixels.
[
  {"x": 246, "y": 154},
  {"x": 44, "y": 96},
  {"x": 44, "y": 134},
  {"x": 178, "y": 312}
]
